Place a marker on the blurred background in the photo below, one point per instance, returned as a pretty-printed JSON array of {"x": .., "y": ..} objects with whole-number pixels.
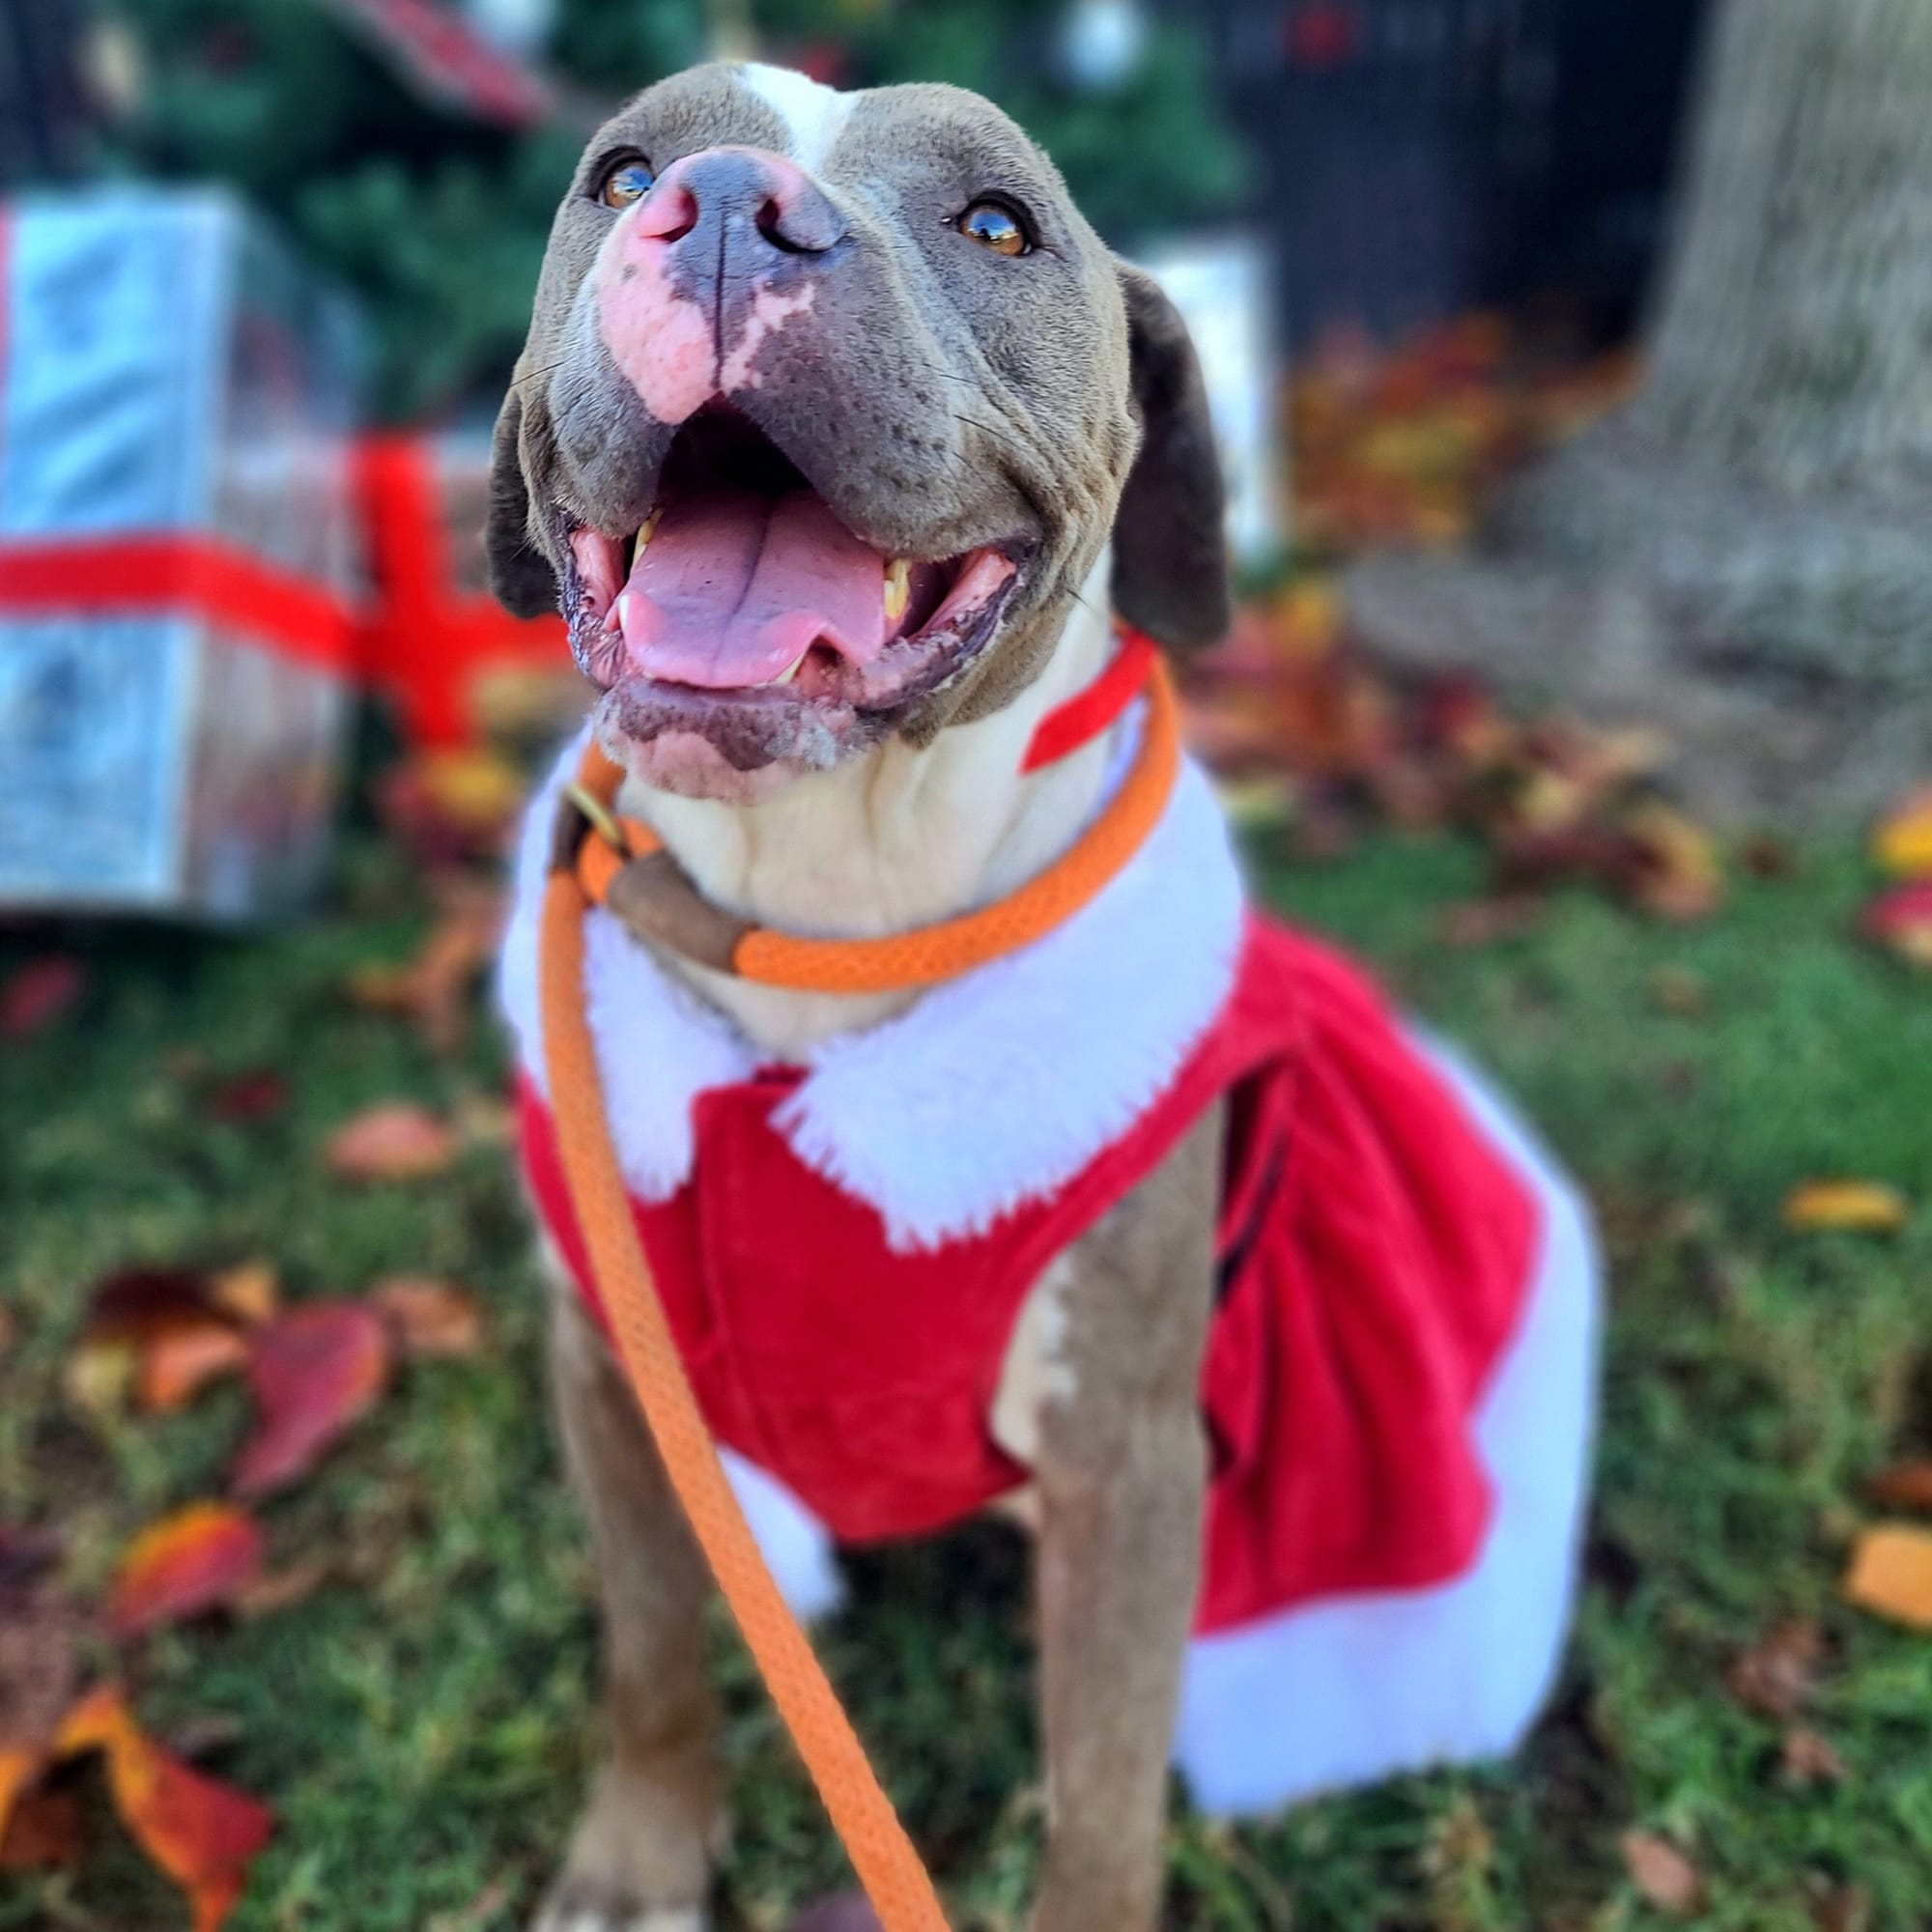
[{"x": 1570, "y": 364}]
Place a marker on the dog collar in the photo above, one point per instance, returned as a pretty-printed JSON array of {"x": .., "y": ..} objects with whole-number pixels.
[{"x": 622, "y": 865}]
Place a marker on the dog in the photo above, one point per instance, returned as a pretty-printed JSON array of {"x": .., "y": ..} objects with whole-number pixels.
[{"x": 838, "y": 439}]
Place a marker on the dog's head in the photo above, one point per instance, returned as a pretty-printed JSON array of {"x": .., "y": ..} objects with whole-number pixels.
[{"x": 829, "y": 405}]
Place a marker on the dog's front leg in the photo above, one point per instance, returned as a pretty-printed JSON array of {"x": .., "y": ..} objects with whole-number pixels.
[
  {"x": 1111, "y": 1349},
  {"x": 640, "y": 1861}
]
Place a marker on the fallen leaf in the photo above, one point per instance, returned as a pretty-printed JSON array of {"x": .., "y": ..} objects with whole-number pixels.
[
  {"x": 250, "y": 1292},
  {"x": 313, "y": 1372},
  {"x": 1891, "y": 1574},
  {"x": 1678, "y": 990},
  {"x": 1905, "y": 1485},
  {"x": 131, "y": 1305},
  {"x": 193, "y": 1561},
  {"x": 1842, "y": 1908},
  {"x": 38, "y": 993},
  {"x": 1661, "y": 1873},
  {"x": 1902, "y": 840},
  {"x": 202, "y": 1833},
  {"x": 1776, "y": 1675},
  {"x": 277, "y": 1590},
  {"x": 46, "y": 1831},
  {"x": 1849, "y": 1207},
  {"x": 429, "y": 1317},
  {"x": 100, "y": 1377},
  {"x": 1677, "y": 875},
  {"x": 433, "y": 988},
  {"x": 244, "y": 1099},
  {"x": 395, "y": 1141},
  {"x": 1805, "y": 1757},
  {"x": 179, "y": 1362},
  {"x": 1901, "y": 921},
  {"x": 1489, "y": 921}
]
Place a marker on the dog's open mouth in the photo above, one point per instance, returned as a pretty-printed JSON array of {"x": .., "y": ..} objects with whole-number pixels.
[{"x": 746, "y": 611}]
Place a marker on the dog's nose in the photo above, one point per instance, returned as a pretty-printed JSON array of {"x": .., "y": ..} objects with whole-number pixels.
[{"x": 740, "y": 201}]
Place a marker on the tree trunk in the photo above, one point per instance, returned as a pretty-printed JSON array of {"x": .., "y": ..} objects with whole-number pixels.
[{"x": 1744, "y": 551}]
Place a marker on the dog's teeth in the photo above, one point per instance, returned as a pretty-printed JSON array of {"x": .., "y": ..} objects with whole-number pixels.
[
  {"x": 899, "y": 588},
  {"x": 643, "y": 536},
  {"x": 787, "y": 676}
]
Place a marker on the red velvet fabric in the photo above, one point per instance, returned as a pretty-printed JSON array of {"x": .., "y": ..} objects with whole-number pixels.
[{"x": 1375, "y": 1248}]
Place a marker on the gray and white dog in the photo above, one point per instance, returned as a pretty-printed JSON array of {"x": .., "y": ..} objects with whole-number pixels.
[{"x": 838, "y": 435}]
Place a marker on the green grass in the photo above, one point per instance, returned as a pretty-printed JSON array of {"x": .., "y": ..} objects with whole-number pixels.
[{"x": 424, "y": 1725}]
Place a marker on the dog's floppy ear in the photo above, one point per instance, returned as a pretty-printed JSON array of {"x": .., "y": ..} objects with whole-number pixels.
[
  {"x": 519, "y": 574},
  {"x": 1170, "y": 553}
]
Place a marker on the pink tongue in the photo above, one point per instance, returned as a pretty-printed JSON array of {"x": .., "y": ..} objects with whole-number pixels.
[{"x": 734, "y": 587}]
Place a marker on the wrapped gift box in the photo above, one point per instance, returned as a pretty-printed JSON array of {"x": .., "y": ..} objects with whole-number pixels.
[{"x": 177, "y": 556}]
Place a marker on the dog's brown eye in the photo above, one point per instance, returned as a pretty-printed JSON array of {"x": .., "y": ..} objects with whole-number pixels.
[
  {"x": 625, "y": 181},
  {"x": 995, "y": 226}
]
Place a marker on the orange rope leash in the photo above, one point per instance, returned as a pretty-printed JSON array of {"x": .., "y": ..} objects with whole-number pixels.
[
  {"x": 930, "y": 954},
  {"x": 863, "y": 1815},
  {"x": 883, "y": 1856}
]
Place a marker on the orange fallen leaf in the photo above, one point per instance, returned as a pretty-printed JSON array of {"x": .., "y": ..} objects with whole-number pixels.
[
  {"x": 395, "y": 1141},
  {"x": 248, "y": 1293},
  {"x": 1902, "y": 840},
  {"x": 179, "y": 1362},
  {"x": 19, "y": 1766},
  {"x": 429, "y": 1317},
  {"x": 1905, "y": 1485},
  {"x": 202, "y": 1833},
  {"x": 1678, "y": 876},
  {"x": 1901, "y": 921},
  {"x": 1849, "y": 1207},
  {"x": 432, "y": 987},
  {"x": 1661, "y": 1873},
  {"x": 192, "y": 1561},
  {"x": 313, "y": 1371},
  {"x": 1891, "y": 1574}
]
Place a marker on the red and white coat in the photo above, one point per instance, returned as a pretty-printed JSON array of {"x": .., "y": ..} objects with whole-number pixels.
[{"x": 1398, "y": 1383}]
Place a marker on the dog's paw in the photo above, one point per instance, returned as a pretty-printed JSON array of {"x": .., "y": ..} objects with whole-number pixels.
[{"x": 576, "y": 1908}]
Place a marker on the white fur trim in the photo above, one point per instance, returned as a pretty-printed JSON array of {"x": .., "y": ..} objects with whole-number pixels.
[
  {"x": 814, "y": 114},
  {"x": 1357, "y": 1688},
  {"x": 992, "y": 1091},
  {"x": 999, "y": 1086},
  {"x": 797, "y": 1548},
  {"x": 659, "y": 1046}
]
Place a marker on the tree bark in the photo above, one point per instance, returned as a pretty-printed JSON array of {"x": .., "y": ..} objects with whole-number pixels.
[{"x": 1744, "y": 551}]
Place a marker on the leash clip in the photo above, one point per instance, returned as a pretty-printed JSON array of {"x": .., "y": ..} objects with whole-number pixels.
[{"x": 601, "y": 818}]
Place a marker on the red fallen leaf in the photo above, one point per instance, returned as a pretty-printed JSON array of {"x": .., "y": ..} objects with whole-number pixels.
[
  {"x": 192, "y": 1561},
  {"x": 1905, "y": 1485},
  {"x": 38, "y": 993},
  {"x": 394, "y": 1141},
  {"x": 429, "y": 1317},
  {"x": 313, "y": 1372},
  {"x": 135, "y": 1303},
  {"x": 1488, "y": 922},
  {"x": 1661, "y": 1873},
  {"x": 1901, "y": 921},
  {"x": 250, "y": 1291},
  {"x": 47, "y": 1833},
  {"x": 1776, "y": 1675},
  {"x": 1807, "y": 1758},
  {"x": 247, "y": 1098},
  {"x": 202, "y": 1833}
]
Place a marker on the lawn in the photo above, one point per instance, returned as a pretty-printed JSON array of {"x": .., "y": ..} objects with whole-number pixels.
[{"x": 422, "y": 1723}]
